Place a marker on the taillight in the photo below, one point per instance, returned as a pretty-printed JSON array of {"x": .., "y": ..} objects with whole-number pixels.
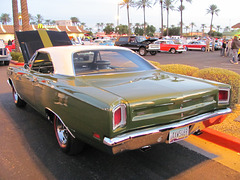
[
  {"x": 223, "y": 96},
  {"x": 119, "y": 116}
]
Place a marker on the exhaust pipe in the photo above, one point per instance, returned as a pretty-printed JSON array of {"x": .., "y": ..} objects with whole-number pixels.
[{"x": 145, "y": 148}]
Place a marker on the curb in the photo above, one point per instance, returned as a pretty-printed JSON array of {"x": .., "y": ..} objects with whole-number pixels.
[
  {"x": 16, "y": 63},
  {"x": 221, "y": 139}
]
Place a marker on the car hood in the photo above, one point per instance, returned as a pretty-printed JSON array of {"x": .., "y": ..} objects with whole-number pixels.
[{"x": 154, "y": 95}]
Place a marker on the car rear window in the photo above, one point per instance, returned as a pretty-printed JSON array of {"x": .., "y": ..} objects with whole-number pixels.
[{"x": 108, "y": 61}]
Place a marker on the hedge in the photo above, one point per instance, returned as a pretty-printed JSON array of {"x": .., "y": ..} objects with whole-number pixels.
[
  {"x": 17, "y": 56},
  {"x": 223, "y": 76},
  {"x": 215, "y": 74}
]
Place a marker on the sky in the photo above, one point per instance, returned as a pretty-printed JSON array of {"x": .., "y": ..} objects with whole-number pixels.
[{"x": 92, "y": 12}]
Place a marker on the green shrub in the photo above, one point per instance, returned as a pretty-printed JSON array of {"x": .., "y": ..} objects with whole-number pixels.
[
  {"x": 179, "y": 69},
  {"x": 223, "y": 76},
  {"x": 17, "y": 56}
]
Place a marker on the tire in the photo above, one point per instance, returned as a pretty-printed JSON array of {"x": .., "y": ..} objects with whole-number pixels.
[
  {"x": 67, "y": 143},
  {"x": 6, "y": 63},
  {"x": 142, "y": 51},
  {"x": 17, "y": 100},
  {"x": 153, "y": 53},
  {"x": 173, "y": 51},
  {"x": 203, "y": 49}
]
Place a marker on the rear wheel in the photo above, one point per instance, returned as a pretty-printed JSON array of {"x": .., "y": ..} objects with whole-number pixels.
[
  {"x": 173, "y": 51},
  {"x": 142, "y": 51},
  {"x": 67, "y": 143},
  {"x": 153, "y": 53},
  {"x": 203, "y": 49},
  {"x": 17, "y": 100}
]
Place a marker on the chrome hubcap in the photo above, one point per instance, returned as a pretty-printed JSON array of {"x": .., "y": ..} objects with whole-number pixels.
[{"x": 62, "y": 133}]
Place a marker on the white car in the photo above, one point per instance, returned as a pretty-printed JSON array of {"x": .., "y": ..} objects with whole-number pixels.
[{"x": 5, "y": 56}]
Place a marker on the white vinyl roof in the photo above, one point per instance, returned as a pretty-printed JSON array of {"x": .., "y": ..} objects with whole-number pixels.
[{"x": 61, "y": 56}]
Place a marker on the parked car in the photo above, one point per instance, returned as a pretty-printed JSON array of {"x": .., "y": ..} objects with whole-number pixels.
[
  {"x": 11, "y": 47},
  {"x": 170, "y": 46},
  {"x": 5, "y": 55},
  {"x": 113, "y": 99},
  {"x": 138, "y": 43},
  {"x": 196, "y": 45}
]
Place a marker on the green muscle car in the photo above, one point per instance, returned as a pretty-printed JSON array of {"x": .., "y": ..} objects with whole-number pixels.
[{"x": 113, "y": 99}]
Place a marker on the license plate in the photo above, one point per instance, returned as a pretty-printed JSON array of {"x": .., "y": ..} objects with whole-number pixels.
[{"x": 178, "y": 134}]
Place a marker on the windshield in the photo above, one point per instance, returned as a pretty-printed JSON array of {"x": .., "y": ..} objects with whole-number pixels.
[
  {"x": 108, "y": 61},
  {"x": 140, "y": 38}
]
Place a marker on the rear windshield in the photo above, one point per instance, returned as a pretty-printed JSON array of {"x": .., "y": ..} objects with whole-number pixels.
[{"x": 108, "y": 61}]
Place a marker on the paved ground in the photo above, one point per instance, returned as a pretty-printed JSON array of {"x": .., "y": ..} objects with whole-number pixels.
[{"x": 196, "y": 58}]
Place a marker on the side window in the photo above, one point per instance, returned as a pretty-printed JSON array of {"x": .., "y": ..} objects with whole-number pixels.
[
  {"x": 123, "y": 39},
  {"x": 43, "y": 63}
]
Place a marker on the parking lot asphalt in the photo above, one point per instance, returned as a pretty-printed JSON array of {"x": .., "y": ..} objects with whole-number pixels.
[{"x": 197, "y": 59}]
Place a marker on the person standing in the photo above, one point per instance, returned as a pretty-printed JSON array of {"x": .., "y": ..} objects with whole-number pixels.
[
  {"x": 235, "y": 48},
  {"x": 207, "y": 45},
  {"x": 229, "y": 48},
  {"x": 224, "y": 45},
  {"x": 213, "y": 44}
]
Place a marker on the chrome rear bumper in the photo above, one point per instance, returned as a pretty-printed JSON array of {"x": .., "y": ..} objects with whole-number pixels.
[{"x": 159, "y": 134}]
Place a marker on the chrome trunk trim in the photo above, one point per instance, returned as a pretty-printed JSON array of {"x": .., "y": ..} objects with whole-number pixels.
[{"x": 143, "y": 132}]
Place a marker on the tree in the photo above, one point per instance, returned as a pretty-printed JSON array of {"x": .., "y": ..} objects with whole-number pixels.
[
  {"x": 121, "y": 29},
  {"x": 108, "y": 29},
  {"x": 150, "y": 30},
  {"x": 168, "y": 6},
  {"x": 127, "y": 3},
  {"x": 101, "y": 25},
  {"x": 161, "y": 6},
  {"x": 203, "y": 27},
  {"x": 15, "y": 23},
  {"x": 218, "y": 28},
  {"x": 74, "y": 20},
  {"x": 25, "y": 17},
  {"x": 212, "y": 10},
  {"x": 5, "y": 18},
  {"x": 181, "y": 8},
  {"x": 98, "y": 26},
  {"x": 143, "y": 4},
  {"x": 187, "y": 28},
  {"x": 192, "y": 24},
  {"x": 39, "y": 19}
]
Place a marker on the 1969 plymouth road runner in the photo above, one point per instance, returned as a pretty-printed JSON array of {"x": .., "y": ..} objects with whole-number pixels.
[{"x": 113, "y": 99}]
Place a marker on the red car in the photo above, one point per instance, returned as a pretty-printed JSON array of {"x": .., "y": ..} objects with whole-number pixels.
[
  {"x": 11, "y": 47},
  {"x": 196, "y": 45},
  {"x": 170, "y": 46}
]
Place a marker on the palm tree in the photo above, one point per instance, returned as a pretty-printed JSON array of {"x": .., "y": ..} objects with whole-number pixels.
[
  {"x": 127, "y": 3},
  {"x": 181, "y": 8},
  {"x": 161, "y": 5},
  {"x": 168, "y": 5},
  {"x": 192, "y": 24},
  {"x": 5, "y": 18},
  {"x": 39, "y": 19},
  {"x": 218, "y": 28},
  {"x": 143, "y": 4},
  {"x": 25, "y": 17},
  {"x": 212, "y": 10},
  {"x": 101, "y": 25},
  {"x": 187, "y": 28},
  {"x": 74, "y": 20},
  {"x": 15, "y": 23},
  {"x": 203, "y": 26},
  {"x": 98, "y": 26}
]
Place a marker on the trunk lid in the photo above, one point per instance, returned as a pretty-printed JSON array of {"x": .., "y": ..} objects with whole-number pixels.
[{"x": 155, "y": 97}]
